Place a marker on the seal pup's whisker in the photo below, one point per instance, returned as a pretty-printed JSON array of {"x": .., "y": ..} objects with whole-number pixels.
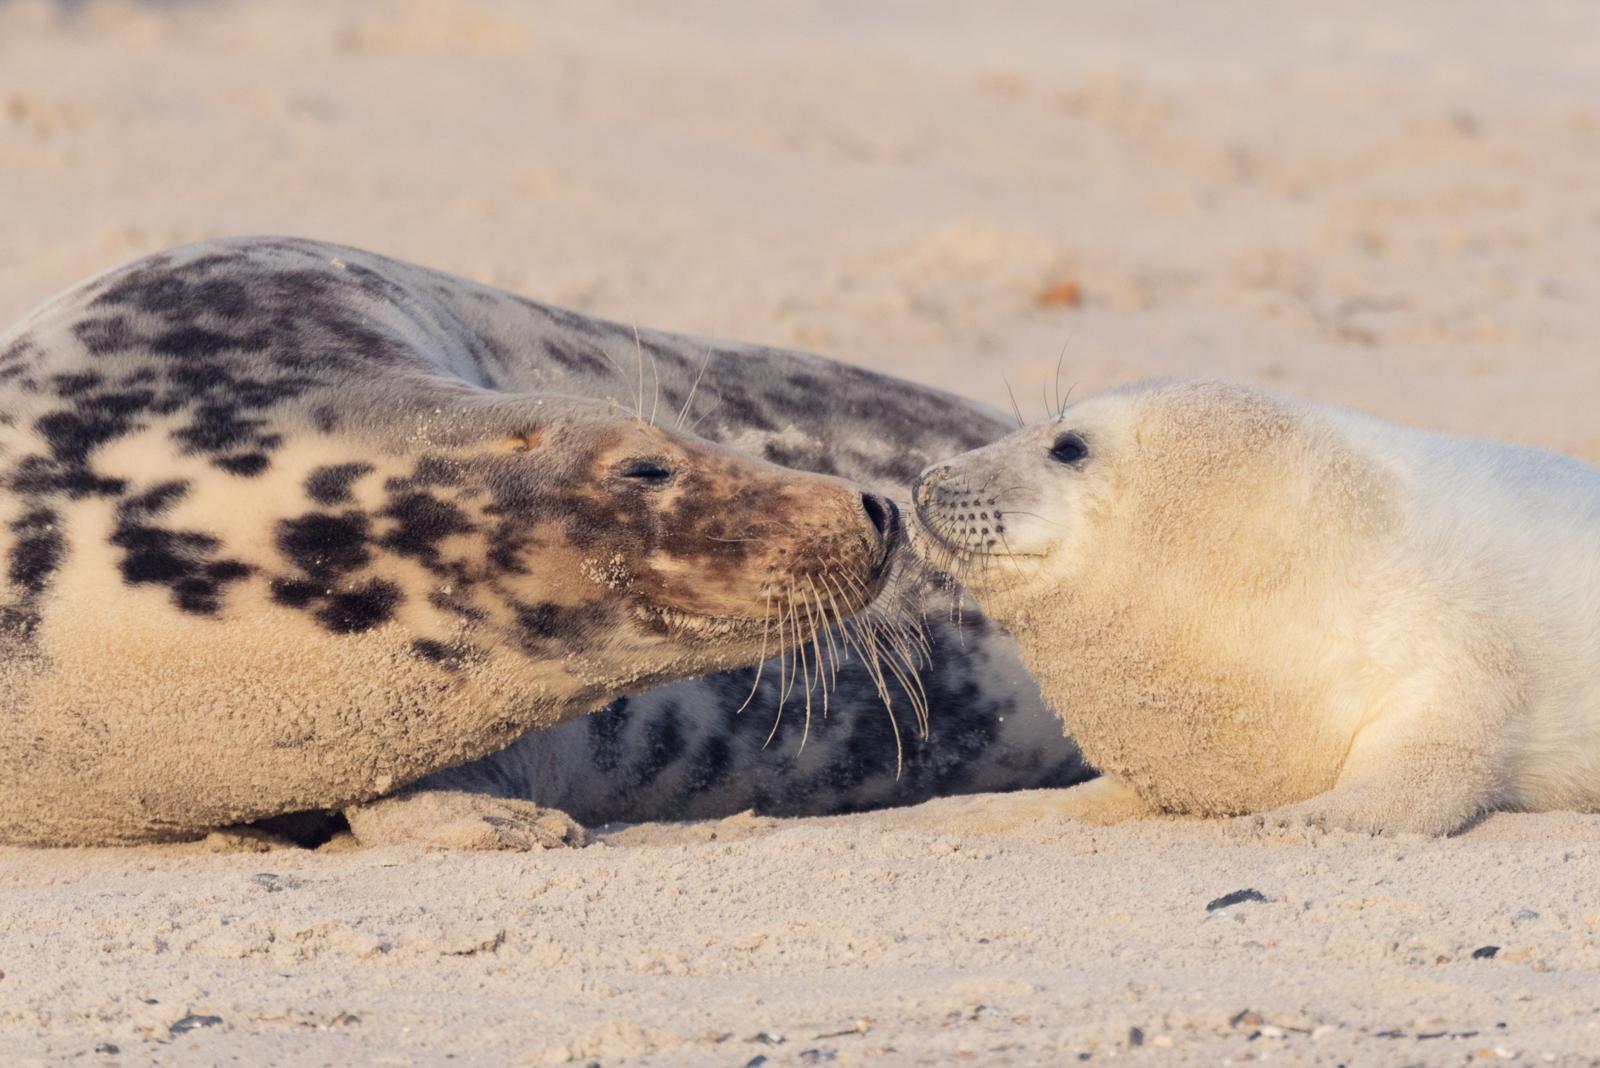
[
  {"x": 1066, "y": 401},
  {"x": 1060, "y": 359},
  {"x": 1014, "y": 406},
  {"x": 1011, "y": 555}
]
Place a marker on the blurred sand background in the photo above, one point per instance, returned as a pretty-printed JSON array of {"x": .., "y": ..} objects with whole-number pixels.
[{"x": 1391, "y": 206}]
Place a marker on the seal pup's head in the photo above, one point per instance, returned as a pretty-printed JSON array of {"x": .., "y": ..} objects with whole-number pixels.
[{"x": 1204, "y": 478}]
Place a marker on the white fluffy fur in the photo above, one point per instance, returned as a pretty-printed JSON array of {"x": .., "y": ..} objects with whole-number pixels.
[{"x": 1240, "y": 603}]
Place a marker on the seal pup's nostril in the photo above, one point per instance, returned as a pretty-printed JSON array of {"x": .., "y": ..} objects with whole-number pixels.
[{"x": 922, "y": 488}]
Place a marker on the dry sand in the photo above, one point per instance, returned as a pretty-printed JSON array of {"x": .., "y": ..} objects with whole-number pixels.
[{"x": 1393, "y": 206}]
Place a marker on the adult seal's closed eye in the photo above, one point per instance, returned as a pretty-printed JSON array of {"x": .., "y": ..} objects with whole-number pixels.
[
  {"x": 1241, "y": 603},
  {"x": 280, "y": 535}
]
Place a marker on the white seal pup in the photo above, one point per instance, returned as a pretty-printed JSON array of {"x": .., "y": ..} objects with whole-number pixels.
[
  {"x": 1241, "y": 603},
  {"x": 288, "y": 525}
]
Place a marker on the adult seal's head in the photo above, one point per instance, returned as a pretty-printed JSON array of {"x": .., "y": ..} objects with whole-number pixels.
[
  {"x": 1243, "y": 603},
  {"x": 647, "y": 552}
]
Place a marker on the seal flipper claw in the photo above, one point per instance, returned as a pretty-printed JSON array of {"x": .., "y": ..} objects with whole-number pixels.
[{"x": 453, "y": 819}]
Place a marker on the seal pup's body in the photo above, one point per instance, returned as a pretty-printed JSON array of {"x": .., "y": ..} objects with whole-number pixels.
[
  {"x": 1241, "y": 603},
  {"x": 289, "y": 526}
]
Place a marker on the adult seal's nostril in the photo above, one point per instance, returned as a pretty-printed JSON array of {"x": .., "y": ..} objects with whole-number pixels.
[{"x": 881, "y": 512}]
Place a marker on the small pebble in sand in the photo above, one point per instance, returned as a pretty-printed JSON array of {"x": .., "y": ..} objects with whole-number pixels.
[
  {"x": 192, "y": 1022},
  {"x": 1485, "y": 952},
  {"x": 767, "y": 1038},
  {"x": 1238, "y": 897},
  {"x": 1526, "y": 916}
]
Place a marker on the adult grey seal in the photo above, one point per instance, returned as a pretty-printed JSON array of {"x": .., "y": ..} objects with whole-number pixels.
[
  {"x": 289, "y": 526},
  {"x": 1245, "y": 603}
]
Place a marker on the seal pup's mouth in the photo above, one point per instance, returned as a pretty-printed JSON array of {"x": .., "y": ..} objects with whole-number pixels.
[
  {"x": 924, "y": 534},
  {"x": 975, "y": 567}
]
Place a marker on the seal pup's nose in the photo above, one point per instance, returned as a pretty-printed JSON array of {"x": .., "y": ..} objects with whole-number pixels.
[{"x": 922, "y": 488}]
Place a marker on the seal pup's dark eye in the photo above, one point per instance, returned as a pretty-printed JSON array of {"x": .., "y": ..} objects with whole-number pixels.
[
  {"x": 1068, "y": 449},
  {"x": 646, "y": 472}
]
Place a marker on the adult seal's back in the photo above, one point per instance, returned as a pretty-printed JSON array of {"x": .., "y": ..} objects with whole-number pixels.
[{"x": 288, "y": 527}]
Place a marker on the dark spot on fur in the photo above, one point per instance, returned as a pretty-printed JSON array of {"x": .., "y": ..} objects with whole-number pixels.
[
  {"x": 182, "y": 560},
  {"x": 552, "y": 630},
  {"x": 322, "y": 544},
  {"x": 606, "y": 728},
  {"x": 73, "y": 436},
  {"x": 814, "y": 458},
  {"x": 664, "y": 743},
  {"x": 449, "y": 655},
  {"x": 18, "y": 352},
  {"x": 153, "y": 501},
  {"x": 423, "y": 521},
  {"x": 710, "y": 765},
  {"x": 38, "y": 550},
  {"x": 325, "y": 419},
  {"x": 539, "y": 620},
  {"x": 428, "y": 649},
  {"x": 331, "y": 485},
  {"x": 72, "y": 385},
  {"x": 246, "y": 465},
  {"x": 38, "y": 475},
  {"x": 103, "y": 336},
  {"x": 360, "y": 609},
  {"x": 295, "y": 593}
]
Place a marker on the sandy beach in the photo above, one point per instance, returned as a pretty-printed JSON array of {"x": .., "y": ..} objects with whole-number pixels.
[{"x": 1388, "y": 207}]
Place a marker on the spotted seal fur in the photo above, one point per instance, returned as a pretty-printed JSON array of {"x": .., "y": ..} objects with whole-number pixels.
[{"x": 290, "y": 526}]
